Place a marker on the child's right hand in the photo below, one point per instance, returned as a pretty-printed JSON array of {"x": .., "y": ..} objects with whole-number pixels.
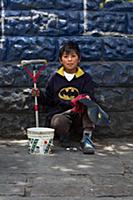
[{"x": 35, "y": 92}]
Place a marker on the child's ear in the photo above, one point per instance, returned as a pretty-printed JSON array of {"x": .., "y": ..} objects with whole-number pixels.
[
  {"x": 60, "y": 60},
  {"x": 79, "y": 60}
]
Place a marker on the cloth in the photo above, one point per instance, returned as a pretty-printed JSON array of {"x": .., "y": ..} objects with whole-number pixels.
[
  {"x": 97, "y": 115},
  {"x": 77, "y": 106}
]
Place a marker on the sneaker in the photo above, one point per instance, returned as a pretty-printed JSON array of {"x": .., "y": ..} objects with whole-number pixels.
[{"x": 87, "y": 146}]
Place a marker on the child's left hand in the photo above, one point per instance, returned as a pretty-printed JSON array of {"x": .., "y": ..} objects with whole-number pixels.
[{"x": 35, "y": 92}]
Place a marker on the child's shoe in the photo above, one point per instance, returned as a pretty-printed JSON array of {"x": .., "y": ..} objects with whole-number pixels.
[{"x": 87, "y": 145}]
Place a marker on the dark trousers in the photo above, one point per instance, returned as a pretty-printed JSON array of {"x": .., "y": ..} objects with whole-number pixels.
[{"x": 71, "y": 123}]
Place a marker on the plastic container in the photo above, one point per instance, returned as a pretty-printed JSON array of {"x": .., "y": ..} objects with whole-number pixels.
[{"x": 40, "y": 140}]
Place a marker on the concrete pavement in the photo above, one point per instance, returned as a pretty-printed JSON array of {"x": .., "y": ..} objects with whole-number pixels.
[{"x": 67, "y": 175}]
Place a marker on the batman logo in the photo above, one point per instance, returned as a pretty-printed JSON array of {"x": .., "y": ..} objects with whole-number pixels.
[{"x": 68, "y": 93}]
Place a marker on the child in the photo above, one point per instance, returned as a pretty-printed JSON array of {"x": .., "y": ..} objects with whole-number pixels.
[{"x": 69, "y": 82}]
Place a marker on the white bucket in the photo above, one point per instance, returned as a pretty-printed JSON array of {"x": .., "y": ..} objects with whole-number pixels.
[{"x": 40, "y": 140}]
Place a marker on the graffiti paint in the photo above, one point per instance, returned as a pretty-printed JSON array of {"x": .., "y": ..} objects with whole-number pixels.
[
  {"x": 45, "y": 19},
  {"x": 96, "y": 32},
  {"x": 85, "y": 15},
  {"x": 2, "y": 39}
]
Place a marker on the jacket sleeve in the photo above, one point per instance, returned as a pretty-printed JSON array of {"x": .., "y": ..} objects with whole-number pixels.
[
  {"x": 89, "y": 87},
  {"x": 49, "y": 92},
  {"x": 46, "y": 95}
]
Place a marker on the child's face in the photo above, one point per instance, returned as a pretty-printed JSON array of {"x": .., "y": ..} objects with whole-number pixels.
[{"x": 70, "y": 61}]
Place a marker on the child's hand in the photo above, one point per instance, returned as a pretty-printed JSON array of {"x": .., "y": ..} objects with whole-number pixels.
[
  {"x": 35, "y": 92},
  {"x": 87, "y": 97},
  {"x": 77, "y": 106},
  {"x": 75, "y": 101}
]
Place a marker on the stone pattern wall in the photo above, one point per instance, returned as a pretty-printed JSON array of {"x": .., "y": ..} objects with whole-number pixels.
[{"x": 35, "y": 30}]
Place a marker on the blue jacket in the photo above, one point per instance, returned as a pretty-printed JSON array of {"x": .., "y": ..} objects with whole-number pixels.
[{"x": 59, "y": 91}]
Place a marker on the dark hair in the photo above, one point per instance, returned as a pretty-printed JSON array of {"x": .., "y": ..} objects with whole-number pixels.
[{"x": 68, "y": 47}]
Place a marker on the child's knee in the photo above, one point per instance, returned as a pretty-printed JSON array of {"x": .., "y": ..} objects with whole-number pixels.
[{"x": 56, "y": 121}]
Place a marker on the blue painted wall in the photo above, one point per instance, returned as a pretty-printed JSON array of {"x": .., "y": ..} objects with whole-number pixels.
[{"x": 36, "y": 29}]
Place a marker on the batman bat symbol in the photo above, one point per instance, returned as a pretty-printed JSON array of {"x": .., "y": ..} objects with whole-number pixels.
[{"x": 68, "y": 93}]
